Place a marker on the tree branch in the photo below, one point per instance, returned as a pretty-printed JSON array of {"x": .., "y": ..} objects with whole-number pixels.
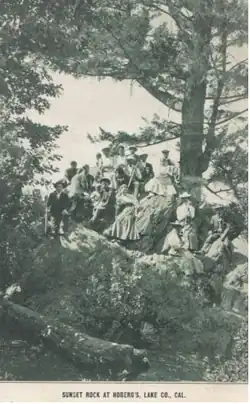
[
  {"x": 162, "y": 141},
  {"x": 210, "y": 138},
  {"x": 238, "y": 64},
  {"x": 232, "y": 117},
  {"x": 231, "y": 101},
  {"x": 213, "y": 192},
  {"x": 164, "y": 97}
]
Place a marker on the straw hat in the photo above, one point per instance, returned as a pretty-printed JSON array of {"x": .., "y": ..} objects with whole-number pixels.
[
  {"x": 185, "y": 195},
  {"x": 165, "y": 152},
  {"x": 133, "y": 148},
  {"x": 143, "y": 155},
  {"x": 130, "y": 156},
  {"x": 60, "y": 182},
  {"x": 106, "y": 180}
]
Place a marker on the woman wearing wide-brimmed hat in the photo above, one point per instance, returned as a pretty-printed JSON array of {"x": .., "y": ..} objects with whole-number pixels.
[
  {"x": 165, "y": 183},
  {"x": 185, "y": 214}
]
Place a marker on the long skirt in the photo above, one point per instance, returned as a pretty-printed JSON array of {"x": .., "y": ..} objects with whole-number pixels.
[
  {"x": 161, "y": 185},
  {"x": 124, "y": 227}
]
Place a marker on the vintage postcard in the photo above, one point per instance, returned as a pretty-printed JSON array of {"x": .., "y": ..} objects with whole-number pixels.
[{"x": 124, "y": 200}]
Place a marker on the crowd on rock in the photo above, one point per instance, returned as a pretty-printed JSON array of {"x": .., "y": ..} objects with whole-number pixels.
[{"x": 109, "y": 200}]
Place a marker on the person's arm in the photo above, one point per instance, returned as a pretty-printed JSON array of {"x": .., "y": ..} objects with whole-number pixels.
[
  {"x": 66, "y": 203},
  {"x": 138, "y": 174},
  {"x": 123, "y": 199},
  {"x": 152, "y": 174},
  {"x": 192, "y": 211}
]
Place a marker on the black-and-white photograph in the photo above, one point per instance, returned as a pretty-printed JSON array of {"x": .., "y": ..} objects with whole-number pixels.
[{"x": 124, "y": 190}]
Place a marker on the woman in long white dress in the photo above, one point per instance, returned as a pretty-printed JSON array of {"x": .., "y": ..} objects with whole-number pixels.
[
  {"x": 156, "y": 209},
  {"x": 185, "y": 214},
  {"x": 165, "y": 183}
]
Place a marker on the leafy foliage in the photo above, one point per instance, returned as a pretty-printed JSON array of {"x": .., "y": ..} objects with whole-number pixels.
[{"x": 236, "y": 368}]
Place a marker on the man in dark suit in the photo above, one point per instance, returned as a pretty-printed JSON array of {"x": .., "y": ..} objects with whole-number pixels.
[
  {"x": 57, "y": 205},
  {"x": 89, "y": 179},
  {"x": 146, "y": 168}
]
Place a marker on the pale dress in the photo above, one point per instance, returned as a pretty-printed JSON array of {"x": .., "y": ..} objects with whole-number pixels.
[
  {"x": 163, "y": 184},
  {"x": 185, "y": 215},
  {"x": 124, "y": 227}
]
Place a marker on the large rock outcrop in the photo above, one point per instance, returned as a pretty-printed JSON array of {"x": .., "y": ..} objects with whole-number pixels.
[
  {"x": 235, "y": 290},
  {"x": 95, "y": 287}
]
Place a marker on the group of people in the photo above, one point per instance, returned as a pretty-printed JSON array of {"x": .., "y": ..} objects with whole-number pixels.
[
  {"x": 109, "y": 200},
  {"x": 119, "y": 176}
]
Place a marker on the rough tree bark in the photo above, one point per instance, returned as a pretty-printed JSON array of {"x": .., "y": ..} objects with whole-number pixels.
[
  {"x": 192, "y": 135},
  {"x": 83, "y": 350}
]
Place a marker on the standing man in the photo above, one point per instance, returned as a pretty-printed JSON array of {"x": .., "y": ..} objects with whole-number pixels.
[
  {"x": 89, "y": 179},
  {"x": 134, "y": 174},
  {"x": 57, "y": 205},
  {"x": 99, "y": 163},
  {"x": 146, "y": 168},
  {"x": 132, "y": 151},
  {"x": 71, "y": 171}
]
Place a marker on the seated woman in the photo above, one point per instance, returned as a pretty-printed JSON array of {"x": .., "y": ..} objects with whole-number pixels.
[
  {"x": 104, "y": 209},
  {"x": 124, "y": 228},
  {"x": 119, "y": 178},
  {"x": 165, "y": 183}
]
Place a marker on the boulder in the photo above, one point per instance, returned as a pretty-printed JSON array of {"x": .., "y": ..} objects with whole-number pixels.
[
  {"x": 235, "y": 290},
  {"x": 153, "y": 220}
]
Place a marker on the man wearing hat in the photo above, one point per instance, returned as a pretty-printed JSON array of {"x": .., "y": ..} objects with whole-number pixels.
[
  {"x": 146, "y": 168},
  {"x": 132, "y": 152},
  {"x": 133, "y": 172},
  {"x": 57, "y": 205},
  {"x": 185, "y": 214}
]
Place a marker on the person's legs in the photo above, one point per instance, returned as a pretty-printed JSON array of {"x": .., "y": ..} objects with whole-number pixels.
[
  {"x": 55, "y": 224},
  {"x": 65, "y": 223}
]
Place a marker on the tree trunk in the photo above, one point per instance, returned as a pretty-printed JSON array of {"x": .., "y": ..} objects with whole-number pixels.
[
  {"x": 83, "y": 350},
  {"x": 192, "y": 131},
  {"x": 192, "y": 135}
]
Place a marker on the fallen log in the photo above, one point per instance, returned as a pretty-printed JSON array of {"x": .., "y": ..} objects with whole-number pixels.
[{"x": 82, "y": 349}]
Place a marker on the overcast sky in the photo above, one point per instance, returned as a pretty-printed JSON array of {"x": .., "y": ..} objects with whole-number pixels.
[{"x": 87, "y": 104}]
